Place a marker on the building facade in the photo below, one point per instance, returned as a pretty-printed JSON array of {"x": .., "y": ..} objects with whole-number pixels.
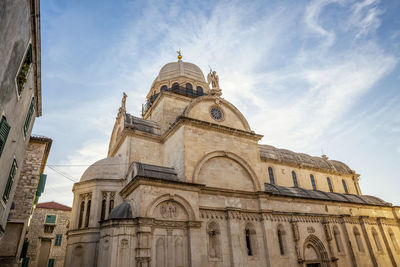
[
  {"x": 28, "y": 190},
  {"x": 47, "y": 235},
  {"x": 20, "y": 91},
  {"x": 189, "y": 184}
]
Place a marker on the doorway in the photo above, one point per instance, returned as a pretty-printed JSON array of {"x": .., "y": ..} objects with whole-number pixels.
[{"x": 45, "y": 245}]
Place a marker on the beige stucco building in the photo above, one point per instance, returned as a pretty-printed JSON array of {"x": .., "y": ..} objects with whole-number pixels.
[{"x": 189, "y": 184}]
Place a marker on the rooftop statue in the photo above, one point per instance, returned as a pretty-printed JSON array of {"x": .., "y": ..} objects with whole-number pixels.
[
  {"x": 123, "y": 103},
  {"x": 213, "y": 79}
]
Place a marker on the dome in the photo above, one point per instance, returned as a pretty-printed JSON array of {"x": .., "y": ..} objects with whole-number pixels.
[
  {"x": 108, "y": 168},
  {"x": 178, "y": 69},
  {"x": 122, "y": 211}
]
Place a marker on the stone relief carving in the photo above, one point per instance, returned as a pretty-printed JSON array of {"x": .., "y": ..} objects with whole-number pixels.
[
  {"x": 169, "y": 210},
  {"x": 310, "y": 229}
]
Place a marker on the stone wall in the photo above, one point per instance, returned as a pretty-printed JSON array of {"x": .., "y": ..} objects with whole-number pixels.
[{"x": 36, "y": 233}]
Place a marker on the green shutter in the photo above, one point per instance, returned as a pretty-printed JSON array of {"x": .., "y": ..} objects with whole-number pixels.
[
  {"x": 4, "y": 130},
  {"x": 51, "y": 219},
  {"x": 22, "y": 75},
  {"x": 41, "y": 184},
  {"x": 51, "y": 263},
  {"x": 58, "y": 240},
  {"x": 29, "y": 116},
  {"x": 10, "y": 181}
]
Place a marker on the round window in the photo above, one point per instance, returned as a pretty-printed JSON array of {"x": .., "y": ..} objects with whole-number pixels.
[{"x": 216, "y": 113}]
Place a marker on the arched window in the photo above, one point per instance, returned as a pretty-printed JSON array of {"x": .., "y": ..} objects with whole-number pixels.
[
  {"x": 189, "y": 86},
  {"x": 338, "y": 239},
  {"x": 111, "y": 204},
  {"x": 81, "y": 211},
  {"x": 345, "y": 186},
  {"x": 199, "y": 90},
  {"x": 103, "y": 209},
  {"x": 313, "y": 182},
  {"x": 213, "y": 240},
  {"x": 294, "y": 179},
  {"x": 394, "y": 240},
  {"x": 281, "y": 239},
  {"x": 329, "y": 184},
  {"x": 251, "y": 243},
  {"x": 88, "y": 213},
  {"x": 164, "y": 88},
  {"x": 175, "y": 86},
  {"x": 358, "y": 239},
  {"x": 376, "y": 239},
  {"x": 271, "y": 175}
]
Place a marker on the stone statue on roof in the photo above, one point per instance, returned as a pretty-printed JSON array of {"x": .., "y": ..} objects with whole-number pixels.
[
  {"x": 123, "y": 103},
  {"x": 213, "y": 79}
]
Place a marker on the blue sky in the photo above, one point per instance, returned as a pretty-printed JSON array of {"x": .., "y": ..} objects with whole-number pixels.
[{"x": 311, "y": 76}]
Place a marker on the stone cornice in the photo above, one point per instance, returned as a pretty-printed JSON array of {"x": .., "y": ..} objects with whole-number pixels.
[
  {"x": 210, "y": 126},
  {"x": 141, "y": 180}
]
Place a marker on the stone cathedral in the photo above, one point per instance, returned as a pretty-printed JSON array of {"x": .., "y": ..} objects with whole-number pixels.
[{"x": 189, "y": 184}]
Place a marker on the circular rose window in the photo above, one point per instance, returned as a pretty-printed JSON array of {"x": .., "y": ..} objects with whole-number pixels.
[{"x": 216, "y": 113}]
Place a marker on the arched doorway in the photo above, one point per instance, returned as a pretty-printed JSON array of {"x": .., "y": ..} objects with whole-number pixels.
[{"x": 314, "y": 253}]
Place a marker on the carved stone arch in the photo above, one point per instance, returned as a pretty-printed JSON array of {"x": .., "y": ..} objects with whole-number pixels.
[
  {"x": 222, "y": 102},
  {"x": 175, "y": 198},
  {"x": 313, "y": 243},
  {"x": 229, "y": 155}
]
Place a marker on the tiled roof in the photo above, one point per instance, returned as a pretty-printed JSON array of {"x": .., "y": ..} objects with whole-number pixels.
[
  {"x": 321, "y": 195},
  {"x": 53, "y": 206}
]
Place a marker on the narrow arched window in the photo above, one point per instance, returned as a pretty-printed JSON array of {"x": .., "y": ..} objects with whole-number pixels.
[
  {"x": 281, "y": 239},
  {"x": 164, "y": 88},
  {"x": 189, "y": 86},
  {"x": 313, "y": 182},
  {"x": 338, "y": 239},
  {"x": 359, "y": 242},
  {"x": 393, "y": 239},
  {"x": 111, "y": 206},
  {"x": 329, "y": 184},
  {"x": 376, "y": 239},
  {"x": 88, "y": 213},
  {"x": 295, "y": 184},
  {"x": 271, "y": 175},
  {"x": 103, "y": 209},
  {"x": 81, "y": 211},
  {"x": 248, "y": 242},
  {"x": 345, "y": 186},
  {"x": 199, "y": 90},
  {"x": 175, "y": 86}
]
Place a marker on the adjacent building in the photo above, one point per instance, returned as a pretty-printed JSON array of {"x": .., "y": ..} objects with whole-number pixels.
[
  {"x": 47, "y": 235},
  {"x": 28, "y": 190},
  {"x": 20, "y": 92},
  {"x": 189, "y": 184}
]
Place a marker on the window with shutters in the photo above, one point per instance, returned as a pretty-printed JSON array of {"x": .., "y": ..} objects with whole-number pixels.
[
  {"x": 4, "y": 130},
  {"x": 50, "y": 263},
  {"x": 10, "y": 181},
  {"x": 51, "y": 219},
  {"x": 57, "y": 241},
  {"x": 23, "y": 71},
  {"x": 28, "y": 117}
]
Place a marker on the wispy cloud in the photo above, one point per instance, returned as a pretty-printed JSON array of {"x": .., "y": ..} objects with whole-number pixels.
[{"x": 294, "y": 71}]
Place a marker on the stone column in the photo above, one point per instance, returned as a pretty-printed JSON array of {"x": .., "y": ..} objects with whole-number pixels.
[
  {"x": 347, "y": 239},
  {"x": 143, "y": 249},
  {"x": 361, "y": 219},
  {"x": 235, "y": 233},
  {"x": 107, "y": 205},
  {"x": 379, "y": 220},
  {"x": 264, "y": 227},
  {"x": 296, "y": 238},
  {"x": 328, "y": 236}
]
